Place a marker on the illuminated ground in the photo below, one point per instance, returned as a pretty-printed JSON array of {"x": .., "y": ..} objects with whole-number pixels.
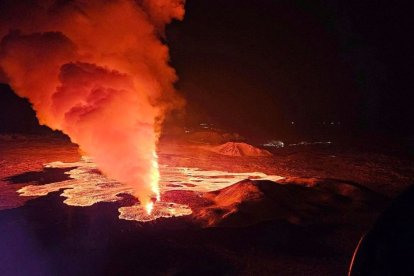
[
  {"x": 88, "y": 186},
  {"x": 48, "y": 234}
]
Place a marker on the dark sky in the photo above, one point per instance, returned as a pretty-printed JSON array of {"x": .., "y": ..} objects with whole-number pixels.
[{"x": 257, "y": 65}]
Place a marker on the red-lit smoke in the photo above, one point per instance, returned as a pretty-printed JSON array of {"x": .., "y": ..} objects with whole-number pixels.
[{"x": 97, "y": 70}]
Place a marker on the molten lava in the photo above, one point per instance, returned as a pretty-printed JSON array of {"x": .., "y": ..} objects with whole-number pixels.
[
  {"x": 155, "y": 185},
  {"x": 149, "y": 207},
  {"x": 98, "y": 71},
  {"x": 155, "y": 177},
  {"x": 87, "y": 186}
]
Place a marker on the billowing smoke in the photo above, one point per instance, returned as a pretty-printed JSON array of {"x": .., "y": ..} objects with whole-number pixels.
[{"x": 98, "y": 71}]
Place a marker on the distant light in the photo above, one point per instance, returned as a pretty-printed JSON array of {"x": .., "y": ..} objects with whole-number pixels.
[
  {"x": 292, "y": 123},
  {"x": 305, "y": 143},
  {"x": 274, "y": 143}
]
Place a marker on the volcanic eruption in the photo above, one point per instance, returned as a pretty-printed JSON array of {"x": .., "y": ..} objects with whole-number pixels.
[{"x": 98, "y": 71}]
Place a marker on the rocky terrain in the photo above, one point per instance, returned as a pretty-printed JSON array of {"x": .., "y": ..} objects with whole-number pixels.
[{"x": 307, "y": 220}]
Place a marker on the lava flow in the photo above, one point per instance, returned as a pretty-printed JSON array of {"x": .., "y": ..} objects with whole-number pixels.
[
  {"x": 155, "y": 186},
  {"x": 87, "y": 186},
  {"x": 155, "y": 177},
  {"x": 97, "y": 71}
]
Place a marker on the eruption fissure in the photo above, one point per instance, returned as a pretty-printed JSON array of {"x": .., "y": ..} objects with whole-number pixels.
[
  {"x": 87, "y": 186},
  {"x": 98, "y": 71}
]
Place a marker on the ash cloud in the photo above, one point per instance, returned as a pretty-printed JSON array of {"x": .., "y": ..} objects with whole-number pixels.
[{"x": 98, "y": 71}]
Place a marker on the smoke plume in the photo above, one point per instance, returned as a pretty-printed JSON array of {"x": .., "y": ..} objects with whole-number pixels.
[{"x": 98, "y": 71}]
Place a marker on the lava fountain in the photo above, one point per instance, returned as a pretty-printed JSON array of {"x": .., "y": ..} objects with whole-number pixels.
[
  {"x": 155, "y": 185},
  {"x": 98, "y": 71},
  {"x": 86, "y": 186}
]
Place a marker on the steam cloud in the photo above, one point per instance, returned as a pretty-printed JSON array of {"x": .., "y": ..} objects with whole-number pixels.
[{"x": 98, "y": 71}]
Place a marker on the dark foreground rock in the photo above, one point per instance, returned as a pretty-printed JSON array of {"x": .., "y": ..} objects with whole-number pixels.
[{"x": 297, "y": 201}]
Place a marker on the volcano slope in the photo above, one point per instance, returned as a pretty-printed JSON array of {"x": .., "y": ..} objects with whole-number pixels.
[
  {"x": 307, "y": 224},
  {"x": 296, "y": 201}
]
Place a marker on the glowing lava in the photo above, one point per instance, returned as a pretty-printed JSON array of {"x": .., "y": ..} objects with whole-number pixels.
[
  {"x": 149, "y": 207},
  {"x": 160, "y": 210},
  {"x": 109, "y": 98},
  {"x": 155, "y": 183},
  {"x": 88, "y": 186},
  {"x": 155, "y": 177}
]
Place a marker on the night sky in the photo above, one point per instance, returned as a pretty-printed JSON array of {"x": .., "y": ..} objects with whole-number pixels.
[{"x": 257, "y": 66}]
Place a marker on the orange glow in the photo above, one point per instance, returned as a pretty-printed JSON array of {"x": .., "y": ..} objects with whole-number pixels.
[
  {"x": 107, "y": 86},
  {"x": 149, "y": 207},
  {"x": 159, "y": 210},
  {"x": 155, "y": 177},
  {"x": 86, "y": 187}
]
